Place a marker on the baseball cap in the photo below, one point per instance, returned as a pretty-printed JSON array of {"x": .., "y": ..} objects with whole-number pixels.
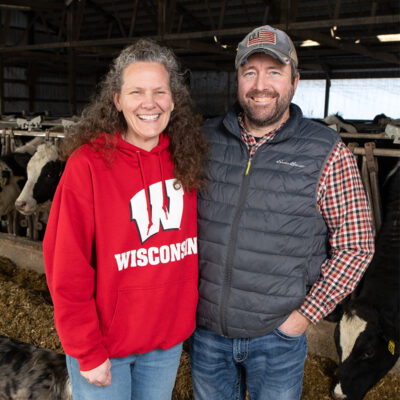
[{"x": 269, "y": 40}]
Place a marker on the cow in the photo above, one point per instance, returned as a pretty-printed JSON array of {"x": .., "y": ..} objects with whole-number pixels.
[
  {"x": 367, "y": 336},
  {"x": 336, "y": 122},
  {"x": 13, "y": 174},
  {"x": 31, "y": 146},
  {"x": 28, "y": 372},
  {"x": 12, "y": 179},
  {"x": 44, "y": 171}
]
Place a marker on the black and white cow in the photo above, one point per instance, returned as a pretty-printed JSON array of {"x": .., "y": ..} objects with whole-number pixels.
[
  {"x": 367, "y": 336},
  {"x": 28, "y": 372},
  {"x": 12, "y": 179},
  {"x": 44, "y": 171},
  {"x": 336, "y": 122},
  {"x": 13, "y": 174}
]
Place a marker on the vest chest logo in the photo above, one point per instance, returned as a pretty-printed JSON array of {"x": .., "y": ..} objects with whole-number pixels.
[
  {"x": 168, "y": 221},
  {"x": 290, "y": 163}
]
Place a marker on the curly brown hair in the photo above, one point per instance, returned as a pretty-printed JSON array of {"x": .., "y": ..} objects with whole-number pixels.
[{"x": 187, "y": 145}]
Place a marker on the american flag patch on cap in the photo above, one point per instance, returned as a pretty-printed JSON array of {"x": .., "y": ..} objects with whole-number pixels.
[{"x": 262, "y": 36}]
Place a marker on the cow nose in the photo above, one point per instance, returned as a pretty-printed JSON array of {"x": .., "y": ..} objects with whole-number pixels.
[
  {"x": 337, "y": 393},
  {"x": 19, "y": 204}
]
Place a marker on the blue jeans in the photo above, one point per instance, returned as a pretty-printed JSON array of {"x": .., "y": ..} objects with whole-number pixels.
[
  {"x": 271, "y": 366},
  {"x": 149, "y": 376}
]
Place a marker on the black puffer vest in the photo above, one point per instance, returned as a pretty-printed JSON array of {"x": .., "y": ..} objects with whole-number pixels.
[{"x": 261, "y": 237}]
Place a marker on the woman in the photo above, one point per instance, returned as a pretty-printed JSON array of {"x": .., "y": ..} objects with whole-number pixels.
[{"x": 120, "y": 248}]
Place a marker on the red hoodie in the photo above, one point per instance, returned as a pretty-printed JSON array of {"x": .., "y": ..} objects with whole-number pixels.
[{"x": 120, "y": 254}]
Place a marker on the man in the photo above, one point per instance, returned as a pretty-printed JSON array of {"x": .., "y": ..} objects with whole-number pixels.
[{"x": 284, "y": 231}]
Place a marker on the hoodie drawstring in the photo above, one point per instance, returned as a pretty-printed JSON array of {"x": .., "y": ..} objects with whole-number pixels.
[
  {"x": 146, "y": 192},
  {"x": 165, "y": 200}
]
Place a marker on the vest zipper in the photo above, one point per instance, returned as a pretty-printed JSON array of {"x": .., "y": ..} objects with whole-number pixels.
[{"x": 227, "y": 282}]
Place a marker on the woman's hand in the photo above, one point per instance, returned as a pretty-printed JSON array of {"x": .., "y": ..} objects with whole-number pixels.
[{"x": 99, "y": 376}]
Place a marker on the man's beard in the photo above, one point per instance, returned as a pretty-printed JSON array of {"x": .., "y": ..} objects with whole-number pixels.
[{"x": 282, "y": 104}]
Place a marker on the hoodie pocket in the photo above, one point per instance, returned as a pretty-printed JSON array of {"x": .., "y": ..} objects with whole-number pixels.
[{"x": 153, "y": 317}]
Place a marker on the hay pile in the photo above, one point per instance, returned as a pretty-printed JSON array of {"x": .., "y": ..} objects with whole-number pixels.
[{"x": 26, "y": 314}]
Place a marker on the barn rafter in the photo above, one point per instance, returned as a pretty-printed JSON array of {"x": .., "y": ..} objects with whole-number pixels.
[{"x": 81, "y": 37}]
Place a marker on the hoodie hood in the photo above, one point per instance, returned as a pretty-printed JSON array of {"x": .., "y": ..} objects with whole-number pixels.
[{"x": 127, "y": 148}]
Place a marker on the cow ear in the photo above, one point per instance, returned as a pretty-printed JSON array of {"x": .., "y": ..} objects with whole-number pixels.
[
  {"x": 336, "y": 314},
  {"x": 22, "y": 159},
  {"x": 61, "y": 166}
]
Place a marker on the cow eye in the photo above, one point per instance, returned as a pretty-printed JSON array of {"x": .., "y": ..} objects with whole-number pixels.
[{"x": 368, "y": 354}]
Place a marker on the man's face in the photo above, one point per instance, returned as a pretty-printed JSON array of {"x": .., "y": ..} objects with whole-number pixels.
[{"x": 265, "y": 91}]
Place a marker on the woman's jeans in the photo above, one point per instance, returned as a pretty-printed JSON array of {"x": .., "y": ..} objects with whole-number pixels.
[
  {"x": 270, "y": 366},
  {"x": 149, "y": 376}
]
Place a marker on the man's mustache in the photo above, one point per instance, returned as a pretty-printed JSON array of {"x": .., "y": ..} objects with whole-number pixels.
[{"x": 262, "y": 93}]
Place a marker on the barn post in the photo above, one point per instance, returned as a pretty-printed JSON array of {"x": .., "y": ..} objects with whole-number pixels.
[
  {"x": 1, "y": 85},
  {"x": 71, "y": 61},
  {"x": 327, "y": 90}
]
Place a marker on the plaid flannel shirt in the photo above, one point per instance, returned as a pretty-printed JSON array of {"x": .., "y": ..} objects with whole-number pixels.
[{"x": 343, "y": 205}]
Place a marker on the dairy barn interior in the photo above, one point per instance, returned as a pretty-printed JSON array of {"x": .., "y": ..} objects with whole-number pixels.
[{"x": 54, "y": 53}]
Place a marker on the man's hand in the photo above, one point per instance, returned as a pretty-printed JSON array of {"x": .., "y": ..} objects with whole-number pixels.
[
  {"x": 99, "y": 376},
  {"x": 296, "y": 324}
]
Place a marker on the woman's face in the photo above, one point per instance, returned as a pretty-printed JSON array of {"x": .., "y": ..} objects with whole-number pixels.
[{"x": 146, "y": 102}]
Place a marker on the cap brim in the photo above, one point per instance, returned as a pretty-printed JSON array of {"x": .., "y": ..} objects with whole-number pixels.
[{"x": 274, "y": 53}]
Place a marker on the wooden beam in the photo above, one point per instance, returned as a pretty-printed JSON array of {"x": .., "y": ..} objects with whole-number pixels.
[
  {"x": 373, "y": 13},
  {"x": 336, "y": 13},
  {"x": 118, "y": 20},
  {"x": 345, "y": 46},
  {"x": 210, "y": 17},
  {"x": 170, "y": 16},
  {"x": 133, "y": 18},
  {"x": 71, "y": 63},
  {"x": 266, "y": 15},
  {"x": 200, "y": 47},
  {"x": 160, "y": 17},
  {"x": 294, "y": 27},
  {"x": 1, "y": 85},
  {"x": 222, "y": 14},
  {"x": 109, "y": 17},
  {"x": 27, "y": 5},
  {"x": 5, "y": 28},
  {"x": 79, "y": 18},
  {"x": 194, "y": 21}
]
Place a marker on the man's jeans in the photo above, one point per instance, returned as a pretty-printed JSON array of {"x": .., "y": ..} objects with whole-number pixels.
[
  {"x": 149, "y": 376},
  {"x": 270, "y": 366}
]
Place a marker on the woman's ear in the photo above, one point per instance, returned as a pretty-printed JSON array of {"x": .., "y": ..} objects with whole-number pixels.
[{"x": 116, "y": 102}]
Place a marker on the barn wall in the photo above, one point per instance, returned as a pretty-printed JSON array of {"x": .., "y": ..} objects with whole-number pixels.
[
  {"x": 25, "y": 253},
  {"x": 213, "y": 92},
  {"x": 50, "y": 92}
]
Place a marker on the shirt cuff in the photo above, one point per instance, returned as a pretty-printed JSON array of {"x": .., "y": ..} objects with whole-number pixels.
[{"x": 312, "y": 310}]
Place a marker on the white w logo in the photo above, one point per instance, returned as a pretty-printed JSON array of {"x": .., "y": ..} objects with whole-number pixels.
[{"x": 139, "y": 209}]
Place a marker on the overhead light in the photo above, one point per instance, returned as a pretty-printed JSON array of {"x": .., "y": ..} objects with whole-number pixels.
[
  {"x": 357, "y": 41},
  {"x": 393, "y": 37},
  {"x": 309, "y": 43}
]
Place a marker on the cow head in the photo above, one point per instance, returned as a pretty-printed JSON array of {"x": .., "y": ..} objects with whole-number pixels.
[
  {"x": 365, "y": 351},
  {"x": 11, "y": 175},
  {"x": 44, "y": 171}
]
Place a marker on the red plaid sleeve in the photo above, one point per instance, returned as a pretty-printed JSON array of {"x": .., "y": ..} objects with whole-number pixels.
[{"x": 344, "y": 207}]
